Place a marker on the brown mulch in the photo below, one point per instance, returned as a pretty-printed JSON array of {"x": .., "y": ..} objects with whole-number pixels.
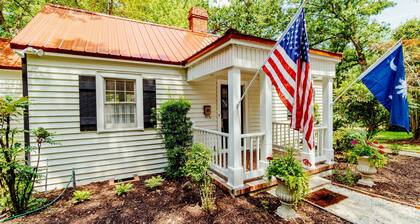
[
  {"x": 169, "y": 204},
  {"x": 399, "y": 180}
]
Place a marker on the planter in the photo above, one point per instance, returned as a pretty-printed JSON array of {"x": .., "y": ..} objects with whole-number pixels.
[
  {"x": 364, "y": 167},
  {"x": 286, "y": 210}
]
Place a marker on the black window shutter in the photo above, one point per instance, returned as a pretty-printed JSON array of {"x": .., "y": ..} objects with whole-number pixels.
[
  {"x": 87, "y": 103},
  {"x": 149, "y": 102}
]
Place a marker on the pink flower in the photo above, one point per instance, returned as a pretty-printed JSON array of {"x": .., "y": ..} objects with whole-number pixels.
[
  {"x": 354, "y": 142},
  {"x": 306, "y": 162},
  {"x": 269, "y": 158},
  {"x": 376, "y": 142},
  {"x": 382, "y": 152},
  {"x": 380, "y": 146}
]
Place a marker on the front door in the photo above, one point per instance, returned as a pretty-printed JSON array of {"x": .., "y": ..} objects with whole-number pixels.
[{"x": 224, "y": 109}]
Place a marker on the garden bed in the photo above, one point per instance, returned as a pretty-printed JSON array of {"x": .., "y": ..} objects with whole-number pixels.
[
  {"x": 398, "y": 180},
  {"x": 170, "y": 204}
]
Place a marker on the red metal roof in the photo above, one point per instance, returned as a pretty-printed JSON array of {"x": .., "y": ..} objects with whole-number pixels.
[
  {"x": 8, "y": 59},
  {"x": 67, "y": 30}
]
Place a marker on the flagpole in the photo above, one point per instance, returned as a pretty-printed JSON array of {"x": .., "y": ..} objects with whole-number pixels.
[
  {"x": 268, "y": 56},
  {"x": 361, "y": 76}
]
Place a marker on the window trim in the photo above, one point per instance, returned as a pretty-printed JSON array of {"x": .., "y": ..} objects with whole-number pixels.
[{"x": 100, "y": 101}]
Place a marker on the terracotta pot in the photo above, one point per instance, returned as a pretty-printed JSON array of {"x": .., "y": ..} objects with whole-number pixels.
[
  {"x": 283, "y": 193},
  {"x": 364, "y": 167}
]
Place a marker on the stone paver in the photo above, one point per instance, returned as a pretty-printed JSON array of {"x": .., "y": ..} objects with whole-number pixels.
[{"x": 364, "y": 209}]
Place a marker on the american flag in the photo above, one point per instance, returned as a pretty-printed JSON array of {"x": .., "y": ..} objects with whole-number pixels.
[{"x": 288, "y": 68}]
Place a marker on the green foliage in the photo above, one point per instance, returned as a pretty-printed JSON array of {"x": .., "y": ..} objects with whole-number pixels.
[
  {"x": 197, "y": 169},
  {"x": 176, "y": 129},
  {"x": 290, "y": 171},
  {"x": 154, "y": 182},
  {"x": 317, "y": 114},
  {"x": 81, "y": 196},
  {"x": 346, "y": 177},
  {"x": 198, "y": 163},
  {"x": 408, "y": 30},
  {"x": 123, "y": 188},
  {"x": 376, "y": 157},
  {"x": 16, "y": 178},
  {"x": 395, "y": 148},
  {"x": 265, "y": 204},
  {"x": 343, "y": 138}
]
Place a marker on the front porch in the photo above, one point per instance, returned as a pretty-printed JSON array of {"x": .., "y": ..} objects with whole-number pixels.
[{"x": 242, "y": 136}]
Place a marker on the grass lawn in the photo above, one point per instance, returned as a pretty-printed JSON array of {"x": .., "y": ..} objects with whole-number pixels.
[{"x": 389, "y": 138}]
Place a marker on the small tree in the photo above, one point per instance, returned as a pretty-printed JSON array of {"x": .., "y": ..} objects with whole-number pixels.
[
  {"x": 17, "y": 179},
  {"x": 176, "y": 129}
]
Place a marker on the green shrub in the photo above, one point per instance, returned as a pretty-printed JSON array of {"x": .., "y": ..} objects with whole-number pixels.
[
  {"x": 197, "y": 170},
  {"x": 346, "y": 177},
  {"x": 81, "y": 196},
  {"x": 396, "y": 149},
  {"x": 290, "y": 171},
  {"x": 376, "y": 157},
  {"x": 154, "y": 182},
  {"x": 16, "y": 178},
  {"x": 346, "y": 137},
  {"x": 176, "y": 128},
  {"x": 123, "y": 188}
]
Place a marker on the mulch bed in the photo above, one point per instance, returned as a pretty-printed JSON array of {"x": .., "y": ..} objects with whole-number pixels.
[
  {"x": 170, "y": 204},
  {"x": 399, "y": 180}
]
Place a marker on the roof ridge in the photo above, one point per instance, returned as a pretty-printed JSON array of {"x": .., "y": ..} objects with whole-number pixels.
[{"x": 127, "y": 19}]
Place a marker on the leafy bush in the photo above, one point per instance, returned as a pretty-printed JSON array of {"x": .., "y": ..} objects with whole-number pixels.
[
  {"x": 346, "y": 138},
  {"x": 197, "y": 169},
  {"x": 176, "y": 129},
  {"x": 346, "y": 177},
  {"x": 16, "y": 178},
  {"x": 290, "y": 171},
  {"x": 81, "y": 196},
  {"x": 123, "y": 188},
  {"x": 396, "y": 149},
  {"x": 154, "y": 182},
  {"x": 376, "y": 157}
]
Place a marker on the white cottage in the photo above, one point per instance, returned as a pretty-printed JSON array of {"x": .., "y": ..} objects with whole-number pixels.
[{"x": 93, "y": 79}]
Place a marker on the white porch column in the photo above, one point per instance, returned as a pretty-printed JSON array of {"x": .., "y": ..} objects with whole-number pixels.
[
  {"x": 327, "y": 117},
  {"x": 235, "y": 170},
  {"x": 266, "y": 119}
]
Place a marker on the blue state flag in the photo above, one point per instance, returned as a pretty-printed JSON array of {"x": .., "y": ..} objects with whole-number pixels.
[{"x": 386, "y": 80}]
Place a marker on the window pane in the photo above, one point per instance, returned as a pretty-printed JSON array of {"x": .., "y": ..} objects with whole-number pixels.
[
  {"x": 130, "y": 97},
  {"x": 130, "y": 86},
  {"x": 110, "y": 85},
  {"x": 110, "y": 96},
  {"x": 120, "y": 97},
  {"x": 120, "y": 85}
]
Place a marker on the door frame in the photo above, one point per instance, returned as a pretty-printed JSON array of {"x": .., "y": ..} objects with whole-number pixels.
[{"x": 221, "y": 82}]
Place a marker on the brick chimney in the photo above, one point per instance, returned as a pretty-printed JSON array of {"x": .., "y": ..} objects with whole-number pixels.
[{"x": 197, "y": 18}]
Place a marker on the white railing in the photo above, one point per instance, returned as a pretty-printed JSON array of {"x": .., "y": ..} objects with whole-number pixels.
[
  {"x": 251, "y": 153},
  {"x": 217, "y": 142},
  {"x": 284, "y": 136}
]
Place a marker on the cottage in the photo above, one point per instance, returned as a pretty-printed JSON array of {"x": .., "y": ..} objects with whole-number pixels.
[{"x": 93, "y": 79}]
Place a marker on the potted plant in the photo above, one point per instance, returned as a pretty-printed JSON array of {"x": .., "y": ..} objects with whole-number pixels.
[
  {"x": 292, "y": 180},
  {"x": 368, "y": 158}
]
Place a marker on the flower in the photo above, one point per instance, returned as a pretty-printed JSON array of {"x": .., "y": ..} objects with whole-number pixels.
[
  {"x": 374, "y": 157},
  {"x": 382, "y": 151},
  {"x": 354, "y": 142},
  {"x": 269, "y": 158},
  {"x": 376, "y": 142},
  {"x": 380, "y": 146},
  {"x": 306, "y": 162}
]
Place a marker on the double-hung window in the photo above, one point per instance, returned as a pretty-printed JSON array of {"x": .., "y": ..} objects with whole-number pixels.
[{"x": 120, "y": 103}]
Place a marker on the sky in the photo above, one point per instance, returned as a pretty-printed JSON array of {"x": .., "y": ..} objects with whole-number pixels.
[{"x": 403, "y": 11}]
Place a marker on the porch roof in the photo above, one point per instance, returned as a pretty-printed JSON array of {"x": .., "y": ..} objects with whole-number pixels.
[{"x": 8, "y": 59}]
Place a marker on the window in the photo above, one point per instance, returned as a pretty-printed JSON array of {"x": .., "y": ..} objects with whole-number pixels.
[
  {"x": 87, "y": 103},
  {"x": 149, "y": 102},
  {"x": 120, "y": 104}
]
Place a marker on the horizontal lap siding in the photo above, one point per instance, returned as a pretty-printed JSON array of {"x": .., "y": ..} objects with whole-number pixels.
[{"x": 53, "y": 90}]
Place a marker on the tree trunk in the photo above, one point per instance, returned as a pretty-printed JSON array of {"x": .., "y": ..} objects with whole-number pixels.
[{"x": 361, "y": 58}]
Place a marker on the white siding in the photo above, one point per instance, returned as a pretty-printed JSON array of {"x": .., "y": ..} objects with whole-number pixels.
[
  {"x": 11, "y": 85},
  {"x": 53, "y": 90}
]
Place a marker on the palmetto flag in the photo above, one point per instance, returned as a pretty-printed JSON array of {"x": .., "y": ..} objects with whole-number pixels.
[
  {"x": 386, "y": 80},
  {"x": 288, "y": 68}
]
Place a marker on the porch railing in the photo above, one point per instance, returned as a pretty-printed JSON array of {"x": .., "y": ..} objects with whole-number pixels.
[
  {"x": 284, "y": 136},
  {"x": 217, "y": 142},
  {"x": 251, "y": 153}
]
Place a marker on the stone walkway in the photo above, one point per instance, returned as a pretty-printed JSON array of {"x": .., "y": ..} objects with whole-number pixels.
[{"x": 364, "y": 209}]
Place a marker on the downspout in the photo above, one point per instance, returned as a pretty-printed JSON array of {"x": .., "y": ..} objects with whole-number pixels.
[{"x": 25, "y": 93}]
